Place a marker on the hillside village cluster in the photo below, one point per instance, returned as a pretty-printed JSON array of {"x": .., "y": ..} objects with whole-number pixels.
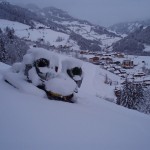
[{"x": 134, "y": 68}]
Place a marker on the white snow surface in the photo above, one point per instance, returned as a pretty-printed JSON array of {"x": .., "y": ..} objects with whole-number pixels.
[
  {"x": 147, "y": 48},
  {"x": 46, "y": 34},
  {"x": 85, "y": 30},
  {"x": 64, "y": 86},
  {"x": 70, "y": 63},
  {"x": 28, "y": 121}
]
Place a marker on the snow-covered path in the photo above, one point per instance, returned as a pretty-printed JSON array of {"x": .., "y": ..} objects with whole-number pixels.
[{"x": 30, "y": 122}]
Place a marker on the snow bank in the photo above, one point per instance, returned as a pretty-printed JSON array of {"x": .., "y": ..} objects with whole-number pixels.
[
  {"x": 22, "y": 85},
  {"x": 38, "y": 53},
  {"x": 61, "y": 86},
  {"x": 70, "y": 63}
]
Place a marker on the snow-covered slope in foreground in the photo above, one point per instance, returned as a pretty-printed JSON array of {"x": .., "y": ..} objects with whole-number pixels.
[{"x": 28, "y": 122}]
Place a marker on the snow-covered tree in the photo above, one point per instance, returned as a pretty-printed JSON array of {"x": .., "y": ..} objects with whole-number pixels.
[
  {"x": 1, "y": 31},
  {"x": 3, "y": 52},
  {"x": 131, "y": 95},
  {"x": 12, "y": 48}
]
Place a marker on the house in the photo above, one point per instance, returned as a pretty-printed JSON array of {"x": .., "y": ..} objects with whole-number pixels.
[
  {"x": 83, "y": 52},
  {"x": 106, "y": 59},
  {"x": 94, "y": 60},
  {"x": 117, "y": 62},
  {"x": 146, "y": 82},
  {"x": 139, "y": 74},
  {"x": 40, "y": 27},
  {"x": 119, "y": 55},
  {"x": 117, "y": 72},
  {"x": 127, "y": 64}
]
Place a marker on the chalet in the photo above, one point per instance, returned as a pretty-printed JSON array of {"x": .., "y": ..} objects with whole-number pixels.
[
  {"x": 40, "y": 27},
  {"x": 94, "y": 60},
  {"x": 139, "y": 74},
  {"x": 111, "y": 69},
  {"x": 84, "y": 52},
  {"x": 117, "y": 72},
  {"x": 119, "y": 55},
  {"x": 122, "y": 71},
  {"x": 106, "y": 59},
  {"x": 117, "y": 67},
  {"x": 127, "y": 64},
  {"x": 117, "y": 62},
  {"x": 146, "y": 82}
]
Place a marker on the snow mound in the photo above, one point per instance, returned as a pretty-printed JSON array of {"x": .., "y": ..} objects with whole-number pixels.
[
  {"x": 70, "y": 63},
  {"x": 17, "y": 80},
  {"x": 37, "y": 53},
  {"x": 61, "y": 86}
]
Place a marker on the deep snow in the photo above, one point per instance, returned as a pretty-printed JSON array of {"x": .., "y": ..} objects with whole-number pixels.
[{"x": 29, "y": 122}]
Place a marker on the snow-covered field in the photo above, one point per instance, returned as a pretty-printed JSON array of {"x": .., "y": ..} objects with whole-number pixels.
[
  {"x": 28, "y": 122},
  {"x": 41, "y": 32},
  {"x": 48, "y": 35},
  {"x": 86, "y": 31}
]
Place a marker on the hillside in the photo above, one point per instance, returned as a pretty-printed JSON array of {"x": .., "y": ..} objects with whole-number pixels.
[
  {"x": 31, "y": 122},
  {"x": 82, "y": 31},
  {"x": 136, "y": 43},
  {"x": 128, "y": 27}
]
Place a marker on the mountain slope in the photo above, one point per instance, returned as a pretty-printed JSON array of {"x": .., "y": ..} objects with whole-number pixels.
[
  {"x": 30, "y": 122},
  {"x": 88, "y": 32},
  {"x": 84, "y": 34},
  {"x": 134, "y": 43},
  {"x": 128, "y": 27}
]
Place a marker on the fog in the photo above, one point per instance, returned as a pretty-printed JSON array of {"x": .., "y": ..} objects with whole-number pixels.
[{"x": 102, "y": 12}]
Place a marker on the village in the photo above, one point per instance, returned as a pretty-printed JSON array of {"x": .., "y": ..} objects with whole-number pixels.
[{"x": 133, "y": 68}]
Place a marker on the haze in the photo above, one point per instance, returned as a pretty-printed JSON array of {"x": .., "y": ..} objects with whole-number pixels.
[{"x": 102, "y": 12}]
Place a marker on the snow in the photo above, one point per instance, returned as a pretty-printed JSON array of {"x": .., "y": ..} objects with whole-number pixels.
[
  {"x": 22, "y": 85},
  {"x": 147, "y": 48},
  {"x": 85, "y": 30},
  {"x": 37, "y": 53},
  {"x": 70, "y": 63},
  {"x": 48, "y": 35},
  {"x": 34, "y": 77},
  {"x": 29, "y": 121},
  {"x": 12, "y": 24},
  {"x": 61, "y": 86},
  {"x": 16, "y": 67},
  {"x": 77, "y": 78}
]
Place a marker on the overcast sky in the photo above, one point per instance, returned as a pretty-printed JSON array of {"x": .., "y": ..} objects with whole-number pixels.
[{"x": 103, "y": 12}]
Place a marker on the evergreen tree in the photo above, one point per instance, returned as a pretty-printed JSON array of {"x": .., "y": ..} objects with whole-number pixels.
[
  {"x": 3, "y": 52},
  {"x": 1, "y": 31},
  {"x": 131, "y": 95},
  {"x": 10, "y": 33}
]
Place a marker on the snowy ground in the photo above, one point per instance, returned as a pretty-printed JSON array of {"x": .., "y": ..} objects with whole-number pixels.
[
  {"x": 29, "y": 122},
  {"x": 48, "y": 35}
]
